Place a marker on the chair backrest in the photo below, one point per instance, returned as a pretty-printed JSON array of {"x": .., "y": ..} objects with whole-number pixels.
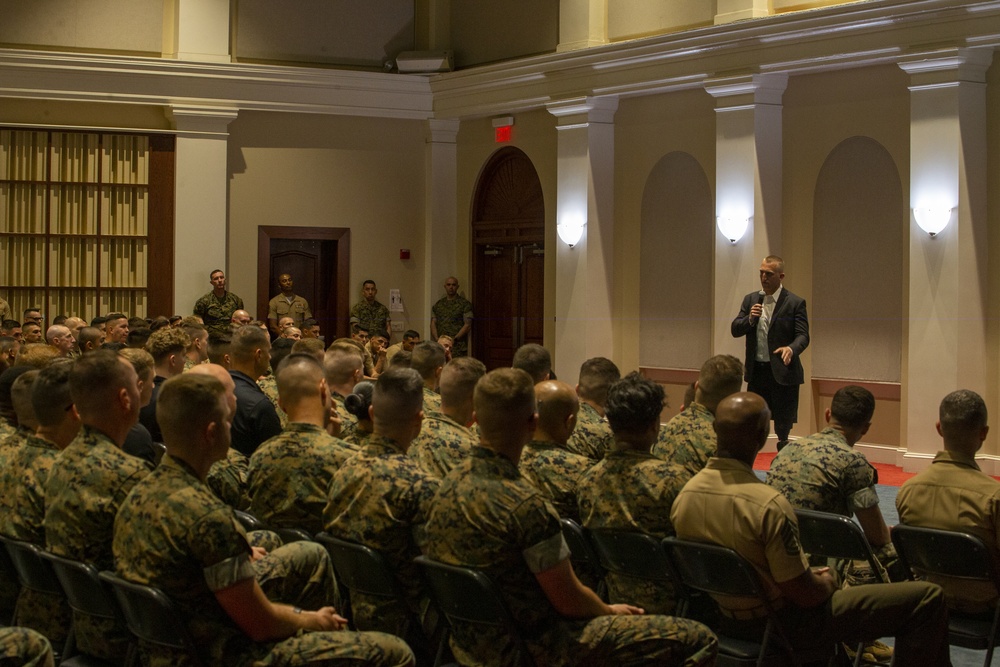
[
  {"x": 248, "y": 521},
  {"x": 33, "y": 571},
  {"x": 359, "y": 568},
  {"x": 835, "y": 536},
  {"x": 466, "y": 595},
  {"x": 580, "y": 548},
  {"x": 289, "y": 535},
  {"x": 84, "y": 590},
  {"x": 633, "y": 554},
  {"x": 944, "y": 552},
  {"x": 714, "y": 569},
  {"x": 151, "y": 616}
]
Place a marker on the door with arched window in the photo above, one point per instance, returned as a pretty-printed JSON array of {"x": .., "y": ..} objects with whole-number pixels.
[{"x": 508, "y": 233}]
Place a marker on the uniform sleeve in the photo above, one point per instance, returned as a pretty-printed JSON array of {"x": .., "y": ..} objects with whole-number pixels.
[
  {"x": 199, "y": 308},
  {"x": 780, "y": 532},
  {"x": 220, "y": 547},
  {"x": 859, "y": 484},
  {"x": 272, "y": 310},
  {"x": 541, "y": 538}
]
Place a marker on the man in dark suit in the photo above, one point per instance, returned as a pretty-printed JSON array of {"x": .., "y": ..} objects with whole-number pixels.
[{"x": 776, "y": 328}]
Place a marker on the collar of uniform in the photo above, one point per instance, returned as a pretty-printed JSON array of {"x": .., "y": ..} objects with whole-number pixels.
[
  {"x": 37, "y": 441},
  {"x": 954, "y": 458},
  {"x": 505, "y": 465},
  {"x": 95, "y": 436},
  {"x": 543, "y": 444},
  {"x": 303, "y": 427},
  {"x": 728, "y": 464},
  {"x": 616, "y": 452},
  {"x": 586, "y": 407},
  {"x": 169, "y": 462},
  {"x": 440, "y": 416},
  {"x": 379, "y": 445},
  {"x": 700, "y": 410}
]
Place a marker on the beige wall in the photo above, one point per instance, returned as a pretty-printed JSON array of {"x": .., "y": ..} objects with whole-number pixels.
[
  {"x": 134, "y": 26},
  {"x": 483, "y": 32},
  {"x": 314, "y": 171}
]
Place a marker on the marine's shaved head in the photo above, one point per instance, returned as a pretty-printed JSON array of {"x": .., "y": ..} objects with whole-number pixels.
[
  {"x": 742, "y": 424},
  {"x": 299, "y": 378},
  {"x": 556, "y": 402}
]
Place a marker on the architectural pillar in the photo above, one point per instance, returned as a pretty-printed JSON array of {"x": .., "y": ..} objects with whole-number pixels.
[
  {"x": 200, "y": 202},
  {"x": 585, "y": 196},
  {"x": 582, "y": 23},
  {"x": 748, "y": 186},
  {"x": 948, "y": 280},
  {"x": 200, "y": 30},
  {"x": 440, "y": 214},
  {"x": 728, "y": 11}
]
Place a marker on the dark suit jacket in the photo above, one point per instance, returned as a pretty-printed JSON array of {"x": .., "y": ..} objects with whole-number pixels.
[{"x": 789, "y": 327}]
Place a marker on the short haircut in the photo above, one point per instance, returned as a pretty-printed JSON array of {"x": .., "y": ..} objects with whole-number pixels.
[
  {"x": 596, "y": 376},
  {"x": 962, "y": 412},
  {"x": 163, "y": 343},
  {"x": 138, "y": 337},
  {"x": 188, "y": 402},
  {"x": 247, "y": 339},
  {"x": 59, "y": 319},
  {"x": 36, "y": 355},
  {"x": 214, "y": 271},
  {"x": 853, "y": 406},
  {"x": 159, "y": 323},
  {"x": 410, "y": 334},
  {"x": 774, "y": 259},
  {"x": 218, "y": 346},
  {"x": 10, "y": 325},
  {"x": 94, "y": 377},
  {"x": 534, "y": 360},
  {"x": 141, "y": 361},
  {"x": 20, "y": 397},
  {"x": 111, "y": 317},
  {"x": 312, "y": 346},
  {"x": 356, "y": 328},
  {"x": 138, "y": 323},
  {"x": 298, "y": 377},
  {"x": 459, "y": 378},
  {"x": 634, "y": 404},
  {"x": 401, "y": 359},
  {"x": 88, "y": 335},
  {"x": 719, "y": 377},
  {"x": 190, "y": 320},
  {"x": 398, "y": 395},
  {"x": 309, "y": 323},
  {"x": 368, "y": 282},
  {"x": 427, "y": 357},
  {"x": 50, "y": 394},
  {"x": 98, "y": 321},
  {"x": 359, "y": 400},
  {"x": 6, "y": 343},
  {"x": 280, "y": 348},
  {"x": 341, "y": 362},
  {"x": 194, "y": 330},
  {"x": 502, "y": 396},
  {"x": 33, "y": 309}
]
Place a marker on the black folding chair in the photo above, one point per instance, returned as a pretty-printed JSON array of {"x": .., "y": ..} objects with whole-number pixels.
[
  {"x": 945, "y": 553},
  {"x": 465, "y": 595},
  {"x": 360, "y": 569},
  {"x": 636, "y": 555},
  {"x": 583, "y": 557},
  {"x": 152, "y": 616},
  {"x": 289, "y": 535},
  {"x": 835, "y": 536},
  {"x": 86, "y": 595},
  {"x": 718, "y": 570},
  {"x": 249, "y": 521}
]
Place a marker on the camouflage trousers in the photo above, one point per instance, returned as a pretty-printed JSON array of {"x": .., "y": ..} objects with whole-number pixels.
[
  {"x": 298, "y": 574},
  {"x": 48, "y": 614},
  {"x": 655, "y": 597},
  {"x": 21, "y": 647},
  {"x": 319, "y": 649}
]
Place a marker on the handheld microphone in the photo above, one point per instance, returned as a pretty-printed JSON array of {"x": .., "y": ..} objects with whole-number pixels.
[{"x": 760, "y": 297}]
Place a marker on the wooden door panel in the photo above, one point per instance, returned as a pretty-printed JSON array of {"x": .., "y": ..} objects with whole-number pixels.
[
  {"x": 533, "y": 297},
  {"x": 495, "y": 302}
]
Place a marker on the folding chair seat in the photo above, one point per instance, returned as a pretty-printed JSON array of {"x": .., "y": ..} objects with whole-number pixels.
[
  {"x": 718, "y": 570},
  {"x": 465, "y": 595},
  {"x": 152, "y": 616},
  {"x": 582, "y": 555},
  {"x": 249, "y": 521},
  {"x": 960, "y": 556},
  {"x": 636, "y": 555}
]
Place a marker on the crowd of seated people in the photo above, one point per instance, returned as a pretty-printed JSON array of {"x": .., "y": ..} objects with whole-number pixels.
[{"x": 131, "y": 447}]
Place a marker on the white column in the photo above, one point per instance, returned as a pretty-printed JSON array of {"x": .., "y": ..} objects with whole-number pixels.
[
  {"x": 585, "y": 193},
  {"x": 201, "y": 30},
  {"x": 440, "y": 213},
  {"x": 728, "y": 11},
  {"x": 582, "y": 23},
  {"x": 200, "y": 201},
  {"x": 948, "y": 279},
  {"x": 748, "y": 185}
]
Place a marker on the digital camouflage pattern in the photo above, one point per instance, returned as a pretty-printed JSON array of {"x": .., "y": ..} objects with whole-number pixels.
[
  {"x": 373, "y": 316},
  {"x": 348, "y": 422},
  {"x": 173, "y": 533},
  {"x": 449, "y": 318},
  {"x": 378, "y": 498},
  {"x": 269, "y": 386},
  {"x": 356, "y": 440},
  {"x": 688, "y": 439},
  {"x": 432, "y": 401},
  {"x": 592, "y": 436},
  {"x": 216, "y": 313},
  {"x": 633, "y": 491},
  {"x": 6, "y": 430},
  {"x": 487, "y": 516},
  {"x": 228, "y": 480},
  {"x": 556, "y": 473},
  {"x": 22, "y": 647},
  {"x": 11, "y": 439},
  {"x": 442, "y": 444},
  {"x": 290, "y": 474}
]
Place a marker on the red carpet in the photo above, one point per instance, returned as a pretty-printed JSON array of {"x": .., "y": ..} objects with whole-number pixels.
[{"x": 889, "y": 475}]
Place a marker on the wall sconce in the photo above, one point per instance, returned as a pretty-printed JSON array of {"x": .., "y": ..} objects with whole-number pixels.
[
  {"x": 570, "y": 230},
  {"x": 733, "y": 227},
  {"x": 932, "y": 219}
]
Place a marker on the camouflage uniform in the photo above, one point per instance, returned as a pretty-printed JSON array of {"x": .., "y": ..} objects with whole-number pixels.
[
  {"x": 357, "y": 439},
  {"x": 85, "y": 488},
  {"x": 432, "y": 401},
  {"x": 449, "y": 318},
  {"x": 6, "y": 429},
  {"x": 216, "y": 313},
  {"x": 373, "y": 316},
  {"x": 172, "y": 533},
  {"x": 487, "y": 516},
  {"x": 556, "y": 473},
  {"x": 298, "y": 309},
  {"x": 269, "y": 385},
  {"x": 377, "y": 499},
  {"x": 631, "y": 490},
  {"x": 688, "y": 439},
  {"x": 9, "y": 444},
  {"x": 22, "y": 508},
  {"x": 824, "y": 473},
  {"x": 348, "y": 422},
  {"x": 442, "y": 444},
  {"x": 21, "y": 647},
  {"x": 228, "y": 480},
  {"x": 592, "y": 436},
  {"x": 289, "y": 476}
]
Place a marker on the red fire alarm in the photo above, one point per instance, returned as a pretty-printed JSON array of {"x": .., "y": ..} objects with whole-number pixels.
[
  {"x": 501, "y": 128},
  {"x": 404, "y": 253}
]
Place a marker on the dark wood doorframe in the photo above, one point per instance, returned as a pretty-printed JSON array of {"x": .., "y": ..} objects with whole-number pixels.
[{"x": 341, "y": 236}]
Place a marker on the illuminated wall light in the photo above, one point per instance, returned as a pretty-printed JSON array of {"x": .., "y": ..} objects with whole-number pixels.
[
  {"x": 733, "y": 227},
  {"x": 570, "y": 230},
  {"x": 932, "y": 219}
]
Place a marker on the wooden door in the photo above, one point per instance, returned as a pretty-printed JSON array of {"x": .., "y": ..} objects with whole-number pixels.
[{"x": 509, "y": 259}]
